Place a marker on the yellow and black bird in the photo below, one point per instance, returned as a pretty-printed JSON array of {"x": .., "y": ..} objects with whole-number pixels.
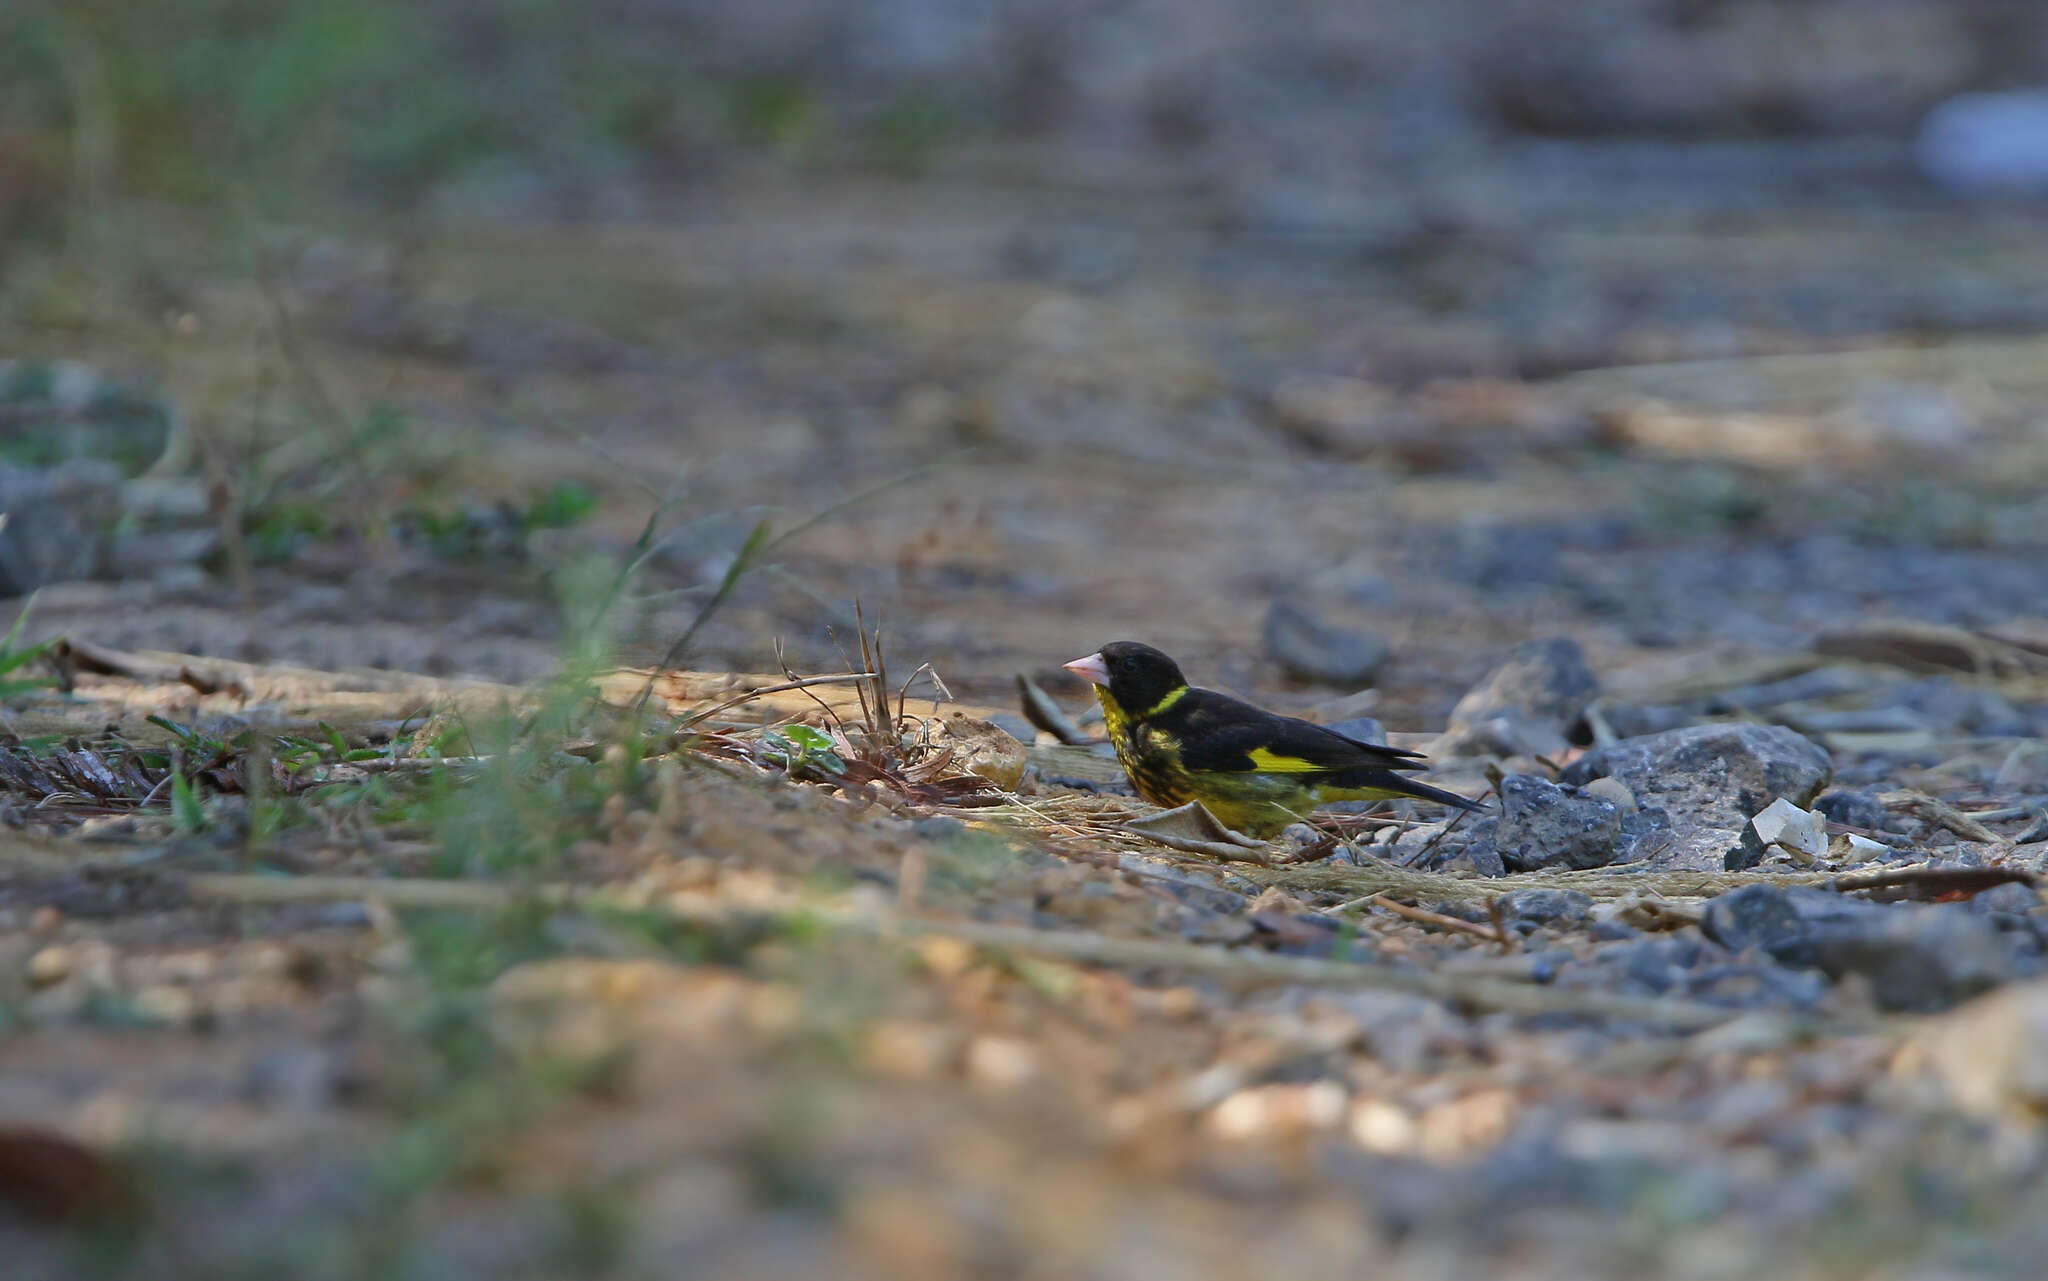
[{"x": 1253, "y": 769}]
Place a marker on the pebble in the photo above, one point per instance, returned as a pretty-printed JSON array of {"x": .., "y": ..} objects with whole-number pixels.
[
  {"x": 1699, "y": 786},
  {"x": 50, "y": 966},
  {"x": 1915, "y": 958},
  {"x": 1309, "y": 649},
  {"x": 1001, "y": 1063},
  {"x": 1544, "y": 825},
  {"x": 1984, "y": 144},
  {"x": 1270, "y": 1110},
  {"x": 1531, "y": 908},
  {"x": 1524, "y": 706},
  {"x": 1854, "y": 809}
]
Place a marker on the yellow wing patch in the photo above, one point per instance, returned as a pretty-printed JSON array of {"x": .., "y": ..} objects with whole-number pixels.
[{"x": 1274, "y": 762}]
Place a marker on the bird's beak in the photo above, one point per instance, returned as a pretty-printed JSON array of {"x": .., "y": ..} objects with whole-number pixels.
[{"x": 1091, "y": 669}]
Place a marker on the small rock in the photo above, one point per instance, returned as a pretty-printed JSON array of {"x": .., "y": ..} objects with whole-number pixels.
[
  {"x": 57, "y": 522},
  {"x": 983, "y": 749},
  {"x": 1613, "y": 791},
  {"x": 1309, "y": 649},
  {"x": 1915, "y": 958},
  {"x": 1544, "y": 907},
  {"x": 2007, "y": 905},
  {"x": 1470, "y": 851},
  {"x": 940, "y": 828},
  {"x": 1920, "y": 958},
  {"x": 1987, "y": 143},
  {"x": 1702, "y": 784},
  {"x": 1363, "y": 729},
  {"x": 1001, "y": 1063},
  {"x": 1267, "y": 1111},
  {"x": 50, "y": 966},
  {"x": 1544, "y": 825},
  {"x": 1524, "y": 706},
  {"x": 1760, "y": 916},
  {"x": 1853, "y": 809},
  {"x": 1635, "y": 720},
  {"x": 1379, "y": 1126},
  {"x": 1781, "y": 824}
]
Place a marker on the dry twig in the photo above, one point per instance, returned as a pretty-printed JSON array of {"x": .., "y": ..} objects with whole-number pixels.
[{"x": 1245, "y": 967}]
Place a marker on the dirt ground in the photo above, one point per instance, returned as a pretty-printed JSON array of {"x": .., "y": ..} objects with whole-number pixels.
[{"x": 1026, "y": 421}]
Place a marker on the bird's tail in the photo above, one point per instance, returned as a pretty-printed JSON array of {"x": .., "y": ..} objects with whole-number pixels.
[{"x": 1390, "y": 784}]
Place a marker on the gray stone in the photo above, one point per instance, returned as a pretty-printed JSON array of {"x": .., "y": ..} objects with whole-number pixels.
[
  {"x": 1364, "y": 729},
  {"x": 57, "y": 522},
  {"x": 1770, "y": 918},
  {"x": 1524, "y": 706},
  {"x": 1915, "y": 958},
  {"x": 1701, "y": 785},
  {"x": 1634, "y": 720},
  {"x": 1987, "y": 143},
  {"x": 1544, "y": 825},
  {"x": 1527, "y": 909},
  {"x": 1473, "y": 855},
  {"x": 1949, "y": 705},
  {"x": 1854, "y": 809},
  {"x": 1309, "y": 649}
]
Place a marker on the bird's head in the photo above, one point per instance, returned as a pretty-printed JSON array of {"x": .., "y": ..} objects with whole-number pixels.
[{"x": 1140, "y": 678}]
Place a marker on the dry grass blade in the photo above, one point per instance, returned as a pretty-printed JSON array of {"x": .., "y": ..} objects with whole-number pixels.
[
  {"x": 1500, "y": 924},
  {"x": 1423, "y": 916},
  {"x": 807, "y": 682},
  {"x": 1940, "y": 813},
  {"x": 1233, "y": 966},
  {"x": 1935, "y": 882}
]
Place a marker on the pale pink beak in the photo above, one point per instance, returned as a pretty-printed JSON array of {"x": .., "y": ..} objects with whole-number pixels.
[{"x": 1091, "y": 669}]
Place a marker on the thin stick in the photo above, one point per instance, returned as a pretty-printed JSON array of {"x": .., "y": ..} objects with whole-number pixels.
[
  {"x": 1423, "y": 916},
  {"x": 757, "y": 544},
  {"x": 1500, "y": 925},
  {"x": 838, "y": 678},
  {"x": 1436, "y": 840},
  {"x": 1086, "y": 947}
]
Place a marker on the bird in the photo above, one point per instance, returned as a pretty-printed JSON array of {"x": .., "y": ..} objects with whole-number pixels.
[{"x": 1255, "y": 770}]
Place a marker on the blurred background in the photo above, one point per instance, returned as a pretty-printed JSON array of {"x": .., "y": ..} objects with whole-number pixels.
[
  {"x": 341, "y": 334},
  {"x": 1335, "y": 348}
]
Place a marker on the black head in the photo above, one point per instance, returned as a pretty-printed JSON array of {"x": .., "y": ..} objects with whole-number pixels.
[{"x": 1138, "y": 677}]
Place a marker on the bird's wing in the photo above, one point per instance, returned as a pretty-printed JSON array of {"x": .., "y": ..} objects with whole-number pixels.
[{"x": 1220, "y": 734}]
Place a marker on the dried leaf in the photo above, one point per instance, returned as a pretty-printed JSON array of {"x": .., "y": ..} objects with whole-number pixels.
[{"x": 1194, "y": 829}]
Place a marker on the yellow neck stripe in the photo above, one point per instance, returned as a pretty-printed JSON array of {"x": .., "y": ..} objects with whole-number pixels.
[{"x": 1163, "y": 703}]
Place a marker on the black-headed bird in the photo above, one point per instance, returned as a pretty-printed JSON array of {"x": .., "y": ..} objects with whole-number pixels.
[{"x": 1255, "y": 770}]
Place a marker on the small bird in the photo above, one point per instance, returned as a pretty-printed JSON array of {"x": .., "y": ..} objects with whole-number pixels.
[{"x": 1255, "y": 770}]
